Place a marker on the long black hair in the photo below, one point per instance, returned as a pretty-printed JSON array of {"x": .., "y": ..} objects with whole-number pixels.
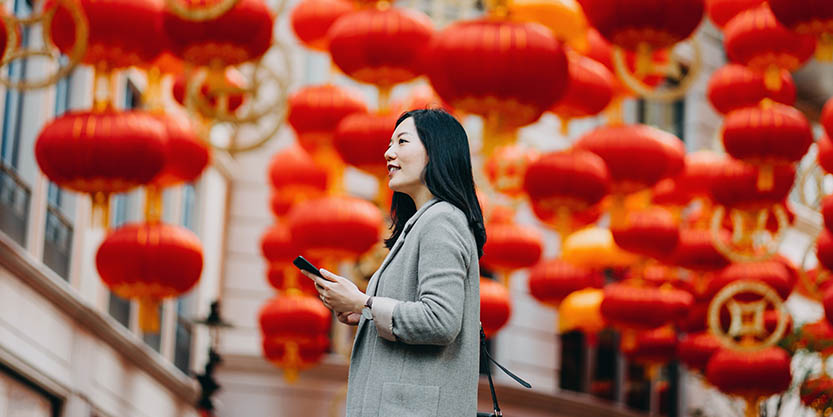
[{"x": 447, "y": 175}]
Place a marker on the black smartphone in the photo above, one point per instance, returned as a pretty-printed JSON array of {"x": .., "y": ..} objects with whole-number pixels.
[{"x": 305, "y": 265}]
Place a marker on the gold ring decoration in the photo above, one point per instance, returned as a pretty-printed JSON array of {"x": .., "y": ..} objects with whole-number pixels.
[
  {"x": 812, "y": 170},
  {"x": 14, "y": 52},
  {"x": 261, "y": 116},
  {"x": 754, "y": 245},
  {"x": 646, "y": 91},
  {"x": 179, "y": 8},
  {"x": 747, "y": 318}
]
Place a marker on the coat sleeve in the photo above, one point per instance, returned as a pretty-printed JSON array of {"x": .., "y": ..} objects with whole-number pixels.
[{"x": 436, "y": 317}]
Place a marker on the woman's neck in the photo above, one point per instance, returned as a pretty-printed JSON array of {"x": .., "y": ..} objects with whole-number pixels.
[{"x": 421, "y": 196}]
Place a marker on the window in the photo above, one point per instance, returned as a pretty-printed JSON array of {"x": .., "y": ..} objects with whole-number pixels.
[
  {"x": 15, "y": 193},
  {"x": 18, "y": 397},
  {"x": 184, "y": 332},
  {"x": 122, "y": 209},
  {"x": 60, "y": 208}
]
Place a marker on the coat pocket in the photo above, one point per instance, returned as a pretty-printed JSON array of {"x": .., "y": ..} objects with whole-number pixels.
[{"x": 409, "y": 400}]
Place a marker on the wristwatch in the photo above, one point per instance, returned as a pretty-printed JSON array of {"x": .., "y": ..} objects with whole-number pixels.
[{"x": 367, "y": 313}]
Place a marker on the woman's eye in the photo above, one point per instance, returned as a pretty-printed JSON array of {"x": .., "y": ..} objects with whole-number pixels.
[{"x": 401, "y": 141}]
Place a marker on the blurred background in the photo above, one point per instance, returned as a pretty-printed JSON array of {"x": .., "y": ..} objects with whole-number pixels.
[{"x": 653, "y": 175}]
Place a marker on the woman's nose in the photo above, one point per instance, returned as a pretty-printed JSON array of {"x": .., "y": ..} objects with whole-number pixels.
[{"x": 389, "y": 155}]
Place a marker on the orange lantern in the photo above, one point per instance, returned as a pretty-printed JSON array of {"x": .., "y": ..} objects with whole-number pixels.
[
  {"x": 294, "y": 178},
  {"x": 495, "y": 306},
  {"x": 122, "y": 33},
  {"x": 507, "y": 72},
  {"x": 590, "y": 88},
  {"x": 244, "y": 33},
  {"x": 311, "y": 19},
  {"x": 734, "y": 87},
  {"x": 773, "y": 135},
  {"x": 295, "y": 332},
  {"x": 637, "y": 156},
  {"x": 563, "y": 17},
  {"x": 553, "y": 279},
  {"x": 696, "y": 349},
  {"x": 334, "y": 228},
  {"x": 751, "y": 375},
  {"x": 380, "y": 45},
  {"x": 507, "y": 166},
  {"x": 755, "y": 39},
  {"x": 149, "y": 262},
  {"x": 101, "y": 153},
  {"x": 810, "y": 17},
  {"x": 593, "y": 247},
  {"x": 581, "y": 310},
  {"x": 722, "y": 11}
]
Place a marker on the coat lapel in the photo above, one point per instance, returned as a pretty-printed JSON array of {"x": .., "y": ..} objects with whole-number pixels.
[{"x": 374, "y": 282}]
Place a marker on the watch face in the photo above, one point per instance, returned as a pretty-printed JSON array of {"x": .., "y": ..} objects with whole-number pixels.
[{"x": 367, "y": 314}]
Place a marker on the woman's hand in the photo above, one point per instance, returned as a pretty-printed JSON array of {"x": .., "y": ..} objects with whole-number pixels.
[
  {"x": 351, "y": 319},
  {"x": 338, "y": 293}
]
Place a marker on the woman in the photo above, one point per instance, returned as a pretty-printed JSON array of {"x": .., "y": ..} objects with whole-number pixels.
[{"x": 416, "y": 351}]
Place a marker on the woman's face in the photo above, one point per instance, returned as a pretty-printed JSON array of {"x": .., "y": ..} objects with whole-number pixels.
[{"x": 406, "y": 158}]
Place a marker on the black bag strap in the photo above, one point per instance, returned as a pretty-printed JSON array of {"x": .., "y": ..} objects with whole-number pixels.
[{"x": 485, "y": 352}]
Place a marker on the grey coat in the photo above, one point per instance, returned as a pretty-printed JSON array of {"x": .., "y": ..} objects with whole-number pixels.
[{"x": 419, "y": 355}]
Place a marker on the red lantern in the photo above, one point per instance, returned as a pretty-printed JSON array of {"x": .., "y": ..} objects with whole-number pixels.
[
  {"x": 122, "y": 33},
  {"x": 600, "y": 50},
  {"x": 575, "y": 180},
  {"x": 827, "y": 117},
  {"x": 824, "y": 249},
  {"x": 771, "y": 273},
  {"x": 640, "y": 25},
  {"x": 722, "y": 11},
  {"x": 696, "y": 319},
  {"x": 817, "y": 337},
  {"x": 311, "y": 19},
  {"x": 810, "y": 17},
  {"x": 244, "y": 33},
  {"x": 696, "y": 349},
  {"x": 735, "y": 185},
  {"x": 552, "y": 280},
  {"x": 335, "y": 228},
  {"x": 186, "y": 156},
  {"x": 775, "y": 134},
  {"x": 825, "y": 155},
  {"x": 755, "y": 39},
  {"x": 590, "y": 88},
  {"x": 101, "y": 153},
  {"x": 511, "y": 246},
  {"x": 295, "y": 332},
  {"x": 316, "y": 111},
  {"x": 637, "y": 156},
  {"x": 734, "y": 87},
  {"x": 643, "y": 307},
  {"x": 651, "y": 232},
  {"x": 149, "y": 262},
  {"x": 361, "y": 140},
  {"x": 383, "y": 46},
  {"x": 507, "y": 72},
  {"x": 695, "y": 251},
  {"x": 495, "y": 306},
  {"x": 294, "y": 178},
  {"x": 750, "y": 375},
  {"x": 507, "y": 166},
  {"x": 827, "y": 301},
  {"x": 232, "y": 79},
  {"x": 653, "y": 347},
  {"x": 693, "y": 182},
  {"x": 816, "y": 392},
  {"x": 277, "y": 247}
]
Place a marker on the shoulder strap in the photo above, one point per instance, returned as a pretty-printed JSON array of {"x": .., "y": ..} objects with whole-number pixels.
[{"x": 485, "y": 352}]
